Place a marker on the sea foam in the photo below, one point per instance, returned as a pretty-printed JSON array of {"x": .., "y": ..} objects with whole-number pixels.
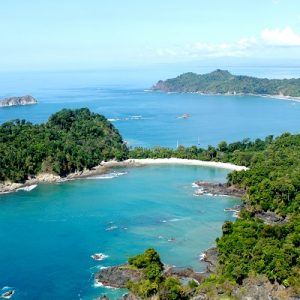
[
  {"x": 108, "y": 175},
  {"x": 27, "y": 188}
]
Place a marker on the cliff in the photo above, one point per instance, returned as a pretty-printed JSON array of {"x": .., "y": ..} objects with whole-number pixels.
[{"x": 14, "y": 101}]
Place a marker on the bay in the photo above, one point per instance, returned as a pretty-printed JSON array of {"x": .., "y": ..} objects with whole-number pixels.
[{"x": 48, "y": 235}]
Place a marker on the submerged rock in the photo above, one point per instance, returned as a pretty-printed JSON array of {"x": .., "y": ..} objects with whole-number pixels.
[{"x": 13, "y": 101}]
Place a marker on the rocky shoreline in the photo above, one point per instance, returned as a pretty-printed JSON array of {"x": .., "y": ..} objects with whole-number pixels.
[
  {"x": 103, "y": 167},
  {"x": 210, "y": 257},
  {"x": 10, "y": 187},
  {"x": 119, "y": 276},
  {"x": 222, "y": 189},
  {"x": 202, "y": 93},
  {"x": 252, "y": 288}
]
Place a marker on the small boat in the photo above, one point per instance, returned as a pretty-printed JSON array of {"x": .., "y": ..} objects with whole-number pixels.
[
  {"x": 184, "y": 116},
  {"x": 99, "y": 256},
  {"x": 8, "y": 294},
  {"x": 172, "y": 239},
  {"x": 110, "y": 228}
]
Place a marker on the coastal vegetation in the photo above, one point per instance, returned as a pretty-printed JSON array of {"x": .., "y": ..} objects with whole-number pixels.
[
  {"x": 223, "y": 82},
  {"x": 71, "y": 140},
  {"x": 74, "y": 140},
  {"x": 249, "y": 246},
  {"x": 154, "y": 282}
]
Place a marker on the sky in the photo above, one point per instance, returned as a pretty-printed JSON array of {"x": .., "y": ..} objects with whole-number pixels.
[{"x": 83, "y": 34}]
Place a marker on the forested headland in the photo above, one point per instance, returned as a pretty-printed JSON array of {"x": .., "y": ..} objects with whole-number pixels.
[
  {"x": 249, "y": 247},
  {"x": 71, "y": 140},
  {"x": 223, "y": 82}
]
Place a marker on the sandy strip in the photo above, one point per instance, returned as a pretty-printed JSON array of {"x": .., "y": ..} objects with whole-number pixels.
[
  {"x": 8, "y": 187},
  {"x": 175, "y": 161}
]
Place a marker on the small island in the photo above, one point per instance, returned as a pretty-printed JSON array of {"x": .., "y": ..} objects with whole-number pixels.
[
  {"x": 16, "y": 101},
  {"x": 223, "y": 82}
]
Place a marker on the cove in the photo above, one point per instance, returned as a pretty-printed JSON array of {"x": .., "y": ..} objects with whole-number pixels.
[{"x": 48, "y": 235}]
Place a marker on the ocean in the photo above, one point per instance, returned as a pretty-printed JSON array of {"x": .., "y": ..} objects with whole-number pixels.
[{"x": 47, "y": 235}]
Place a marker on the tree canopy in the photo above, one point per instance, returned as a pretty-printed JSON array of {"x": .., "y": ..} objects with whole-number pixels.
[
  {"x": 249, "y": 246},
  {"x": 71, "y": 140},
  {"x": 223, "y": 82}
]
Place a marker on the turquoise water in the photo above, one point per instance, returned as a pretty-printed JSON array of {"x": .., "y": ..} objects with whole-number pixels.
[
  {"x": 149, "y": 119},
  {"x": 213, "y": 118},
  {"x": 47, "y": 235}
]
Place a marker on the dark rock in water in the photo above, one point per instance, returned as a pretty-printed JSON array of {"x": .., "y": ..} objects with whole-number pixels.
[
  {"x": 104, "y": 297},
  {"x": 219, "y": 189},
  {"x": 118, "y": 276},
  {"x": 13, "y": 101}
]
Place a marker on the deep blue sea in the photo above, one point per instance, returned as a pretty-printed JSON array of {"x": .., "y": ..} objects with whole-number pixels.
[{"x": 48, "y": 235}]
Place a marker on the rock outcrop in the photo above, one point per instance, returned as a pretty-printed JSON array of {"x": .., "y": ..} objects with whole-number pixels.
[
  {"x": 14, "y": 101},
  {"x": 262, "y": 289},
  {"x": 211, "y": 259},
  {"x": 271, "y": 218},
  {"x": 219, "y": 189},
  {"x": 118, "y": 276}
]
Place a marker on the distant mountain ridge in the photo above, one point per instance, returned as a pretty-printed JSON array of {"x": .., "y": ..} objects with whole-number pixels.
[
  {"x": 13, "y": 101},
  {"x": 223, "y": 82}
]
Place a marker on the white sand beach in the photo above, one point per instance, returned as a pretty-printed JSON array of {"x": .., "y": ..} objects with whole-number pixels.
[
  {"x": 104, "y": 167},
  {"x": 175, "y": 161}
]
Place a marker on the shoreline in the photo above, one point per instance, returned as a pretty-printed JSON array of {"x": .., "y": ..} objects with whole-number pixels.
[
  {"x": 104, "y": 167},
  {"x": 276, "y": 97},
  {"x": 174, "y": 161}
]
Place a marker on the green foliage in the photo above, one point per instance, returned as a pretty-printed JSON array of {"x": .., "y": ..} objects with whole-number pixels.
[
  {"x": 143, "y": 288},
  {"x": 171, "y": 289},
  {"x": 154, "y": 283},
  {"x": 223, "y": 82},
  {"x": 242, "y": 153},
  {"x": 248, "y": 246},
  {"x": 148, "y": 259},
  {"x": 256, "y": 248},
  {"x": 71, "y": 140},
  {"x": 273, "y": 181}
]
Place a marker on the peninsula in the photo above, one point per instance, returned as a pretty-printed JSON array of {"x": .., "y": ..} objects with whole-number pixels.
[
  {"x": 224, "y": 83},
  {"x": 71, "y": 142},
  {"x": 15, "y": 101}
]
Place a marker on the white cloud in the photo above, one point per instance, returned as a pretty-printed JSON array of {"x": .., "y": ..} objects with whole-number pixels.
[
  {"x": 200, "y": 49},
  {"x": 266, "y": 44},
  {"x": 280, "y": 37}
]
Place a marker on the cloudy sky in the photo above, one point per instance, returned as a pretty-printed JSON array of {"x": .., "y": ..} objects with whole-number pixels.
[{"x": 37, "y": 34}]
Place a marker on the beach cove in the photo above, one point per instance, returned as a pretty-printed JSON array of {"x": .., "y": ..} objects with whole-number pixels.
[
  {"x": 118, "y": 215},
  {"x": 106, "y": 167}
]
